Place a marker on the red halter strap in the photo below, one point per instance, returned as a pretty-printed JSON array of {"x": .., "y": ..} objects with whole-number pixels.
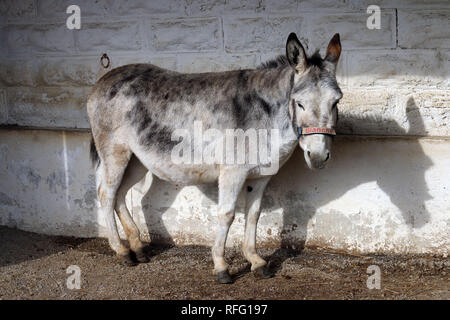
[
  {"x": 315, "y": 130},
  {"x": 299, "y": 131}
]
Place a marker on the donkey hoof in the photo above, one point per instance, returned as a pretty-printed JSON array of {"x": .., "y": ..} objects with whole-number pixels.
[
  {"x": 224, "y": 277},
  {"x": 141, "y": 256},
  {"x": 127, "y": 260},
  {"x": 262, "y": 273}
]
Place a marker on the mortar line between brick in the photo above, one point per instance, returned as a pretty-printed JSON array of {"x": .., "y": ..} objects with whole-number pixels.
[
  {"x": 35, "y": 10},
  {"x": 396, "y": 28},
  {"x": 223, "y": 35},
  {"x": 5, "y": 103},
  {"x": 88, "y": 130}
]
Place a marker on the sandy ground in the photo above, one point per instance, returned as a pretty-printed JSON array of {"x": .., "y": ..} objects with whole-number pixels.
[{"x": 34, "y": 266}]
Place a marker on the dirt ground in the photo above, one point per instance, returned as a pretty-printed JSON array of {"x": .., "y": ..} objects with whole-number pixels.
[{"x": 33, "y": 266}]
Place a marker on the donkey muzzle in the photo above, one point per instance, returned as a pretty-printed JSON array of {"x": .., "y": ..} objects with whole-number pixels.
[
  {"x": 318, "y": 160},
  {"x": 315, "y": 142}
]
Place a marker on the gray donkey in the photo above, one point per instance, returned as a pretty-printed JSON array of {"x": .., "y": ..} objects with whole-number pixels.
[{"x": 134, "y": 111}]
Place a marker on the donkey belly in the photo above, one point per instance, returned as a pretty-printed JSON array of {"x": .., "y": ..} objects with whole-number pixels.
[{"x": 161, "y": 165}]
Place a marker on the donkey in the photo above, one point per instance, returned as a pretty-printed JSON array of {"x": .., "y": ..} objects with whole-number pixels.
[{"x": 135, "y": 109}]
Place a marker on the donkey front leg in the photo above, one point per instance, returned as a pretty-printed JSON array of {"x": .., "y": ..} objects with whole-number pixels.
[
  {"x": 230, "y": 185},
  {"x": 254, "y": 197}
]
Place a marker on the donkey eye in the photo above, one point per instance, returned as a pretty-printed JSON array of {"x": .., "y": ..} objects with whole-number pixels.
[{"x": 300, "y": 106}]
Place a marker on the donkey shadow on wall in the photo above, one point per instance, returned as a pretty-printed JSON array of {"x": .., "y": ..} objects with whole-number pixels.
[
  {"x": 402, "y": 181},
  {"x": 397, "y": 168}
]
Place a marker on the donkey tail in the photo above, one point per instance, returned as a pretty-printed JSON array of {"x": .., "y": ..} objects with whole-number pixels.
[{"x": 95, "y": 159}]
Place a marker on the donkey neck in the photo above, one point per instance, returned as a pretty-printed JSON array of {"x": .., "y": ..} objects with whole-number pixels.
[{"x": 274, "y": 85}]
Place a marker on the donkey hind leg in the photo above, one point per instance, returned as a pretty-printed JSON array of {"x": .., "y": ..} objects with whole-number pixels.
[
  {"x": 134, "y": 173},
  {"x": 254, "y": 198},
  {"x": 230, "y": 185},
  {"x": 109, "y": 177}
]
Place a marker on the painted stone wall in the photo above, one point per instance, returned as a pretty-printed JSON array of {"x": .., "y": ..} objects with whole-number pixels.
[{"x": 387, "y": 188}]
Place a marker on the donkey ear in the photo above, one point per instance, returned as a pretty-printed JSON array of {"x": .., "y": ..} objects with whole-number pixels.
[
  {"x": 295, "y": 53},
  {"x": 334, "y": 49}
]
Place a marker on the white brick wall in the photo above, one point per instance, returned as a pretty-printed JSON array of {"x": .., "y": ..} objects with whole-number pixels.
[
  {"x": 260, "y": 34},
  {"x": 47, "y": 107},
  {"x": 353, "y": 30},
  {"x": 55, "y": 10},
  {"x": 119, "y": 36},
  {"x": 424, "y": 29},
  {"x": 31, "y": 39},
  {"x": 399, "y": 112},
  {"x": 408, "y": 53},
  {"x": 11, "y": 10},
  {"x": 395, "y": 81},
  {"x": 412, "y": 69},
  {"x": 185, "y": 35}
]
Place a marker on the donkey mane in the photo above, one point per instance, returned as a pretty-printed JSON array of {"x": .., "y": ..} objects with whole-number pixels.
[
  {"x": 279, "y": 61},
  {"x": 314, "y": 60}
]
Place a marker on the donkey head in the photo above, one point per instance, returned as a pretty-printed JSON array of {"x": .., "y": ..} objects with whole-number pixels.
[{"x": 314, "y": 97}]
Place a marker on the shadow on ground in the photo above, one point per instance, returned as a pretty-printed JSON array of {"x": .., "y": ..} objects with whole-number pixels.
[{"x": 185, "y": 273}]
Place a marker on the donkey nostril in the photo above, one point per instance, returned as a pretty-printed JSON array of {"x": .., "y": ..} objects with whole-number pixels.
[
  {"x": 309, "y": 154},
  {"x": 328, "y": 156}
]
